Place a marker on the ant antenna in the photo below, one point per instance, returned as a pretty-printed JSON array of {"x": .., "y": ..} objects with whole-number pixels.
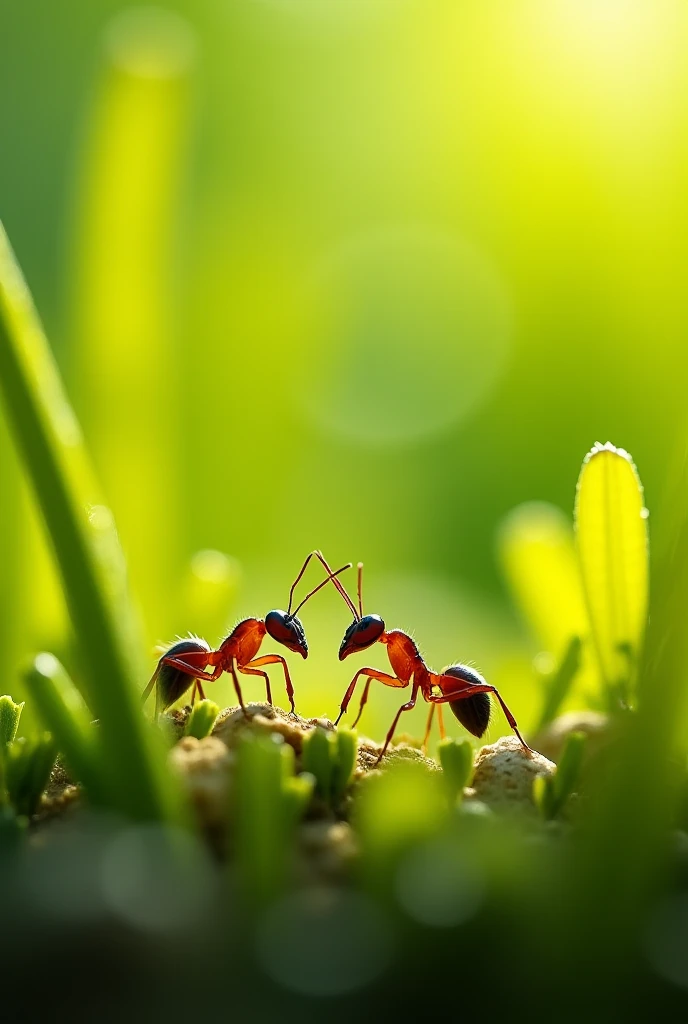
[
  {"x": 360, "y": 588},
  {"x": 339, "y": 586},
  {"x": 296, "y": 581},
  {"x": 323, "y": 583},
  {"x": 330, "y": 576}
]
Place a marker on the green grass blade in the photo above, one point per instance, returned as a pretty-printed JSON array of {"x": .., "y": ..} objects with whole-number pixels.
[
  {"x": 537, "y": 551},
  {"x": 317, "y": 758},
  {"x": 560, "y": 683},
  {"x": 456, "y": 758},
  {"x": 62, "y": 711},
  {"x": 297, "y": 792},
  {"x": 611, "y": 536},
  {"x": 124, "y": 300},
  {"x": 551, "y": 792},
  {"x": 28, "y": 766},
  {"x": 86, "y": 547},
  {"x": 260, "y": 817},
  {"x": 567, "y": 775},
  {"x": 346, "y": 750}
]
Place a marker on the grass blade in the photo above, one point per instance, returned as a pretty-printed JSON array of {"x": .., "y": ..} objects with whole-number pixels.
[
  {"x": 537, "y": 551},
  {"x": 611, "y": 535},
  {"x": 346, "y": 751},
  {"x": 456, "y": 758},
  {"x": 28, "y": 764},
  {"x": 86, "y": 547},
  {"x": 124, "y": 295},
  {"x": 560, "y": 683},
  {"x": 318, "y": 757},
  {"x": 62, "y": 711}
]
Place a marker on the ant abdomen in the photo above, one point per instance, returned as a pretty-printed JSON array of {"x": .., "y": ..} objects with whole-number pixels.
[
  {"x": 472, "y": 712},
  {"x": 173, "y": 682}
]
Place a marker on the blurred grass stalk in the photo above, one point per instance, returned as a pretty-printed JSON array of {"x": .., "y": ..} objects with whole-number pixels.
[
  {"x": 127, "y": 382},
  {"x": 538, "y": 556},
  {"x": 269, "y": 800},
  {"x": 87, "y": 550}
]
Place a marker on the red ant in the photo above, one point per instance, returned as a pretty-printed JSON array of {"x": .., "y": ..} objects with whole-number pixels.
[
  {"x": 189, "y": 659},
  {"x": 460, "y": 686}
]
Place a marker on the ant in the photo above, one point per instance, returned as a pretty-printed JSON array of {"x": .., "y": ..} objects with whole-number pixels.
[
  {"x": 189, "y": 659},
  {"x": 462, "y": 687}
]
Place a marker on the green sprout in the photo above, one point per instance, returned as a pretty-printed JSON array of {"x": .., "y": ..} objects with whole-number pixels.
[
  {"x": 456, "y": 758},
  {"x": 552, "y": 792},
  {"x": 559, "y": 684},
  {"x": 268, "y": 803},
  {"x": 10, "y": 713},
  {"x": 331, "y": 757},
  {"x": 25, "y": 764},
  {"x": 202, "y": 719}
]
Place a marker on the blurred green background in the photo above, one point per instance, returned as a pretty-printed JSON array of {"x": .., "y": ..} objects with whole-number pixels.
[{"x": 356, "y": 274}]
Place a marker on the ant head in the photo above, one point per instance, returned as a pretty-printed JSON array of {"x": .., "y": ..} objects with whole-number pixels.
[
  {"x": 361, "y": 634},
  {"x": 287, "y": 630}
]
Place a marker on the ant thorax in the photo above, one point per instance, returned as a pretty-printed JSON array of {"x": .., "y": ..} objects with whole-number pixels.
[
  {"x": 403, "y": 654},
  {"x": 243, "y": 643}
]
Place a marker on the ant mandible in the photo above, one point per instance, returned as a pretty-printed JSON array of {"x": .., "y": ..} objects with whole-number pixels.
[
  {"x": 464, "y": 689},
  {"x": 188, "y": 660}
]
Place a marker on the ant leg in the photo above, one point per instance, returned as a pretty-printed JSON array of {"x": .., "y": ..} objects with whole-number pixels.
[
  {"x": 273, "y": 659},
  {"x": 185, "y": 663},
  {"x": 197, "y": 688},
  {"x": 428, "y": 728},
  {"x": 372, "y": 673},
  {"x": 470, "y": 691},
  {"x": 364, "y": 699},
  {"x": 257, "y": 672},
  {"x": 440, "y": 722},
  {"x": 150, "y": 684},
  {"x": 232, "y": 672},
  {"x": 404, "y": 707},
  {"x": 183, "y": 666}
]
